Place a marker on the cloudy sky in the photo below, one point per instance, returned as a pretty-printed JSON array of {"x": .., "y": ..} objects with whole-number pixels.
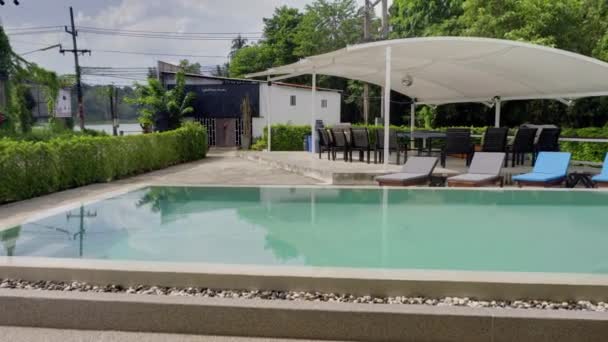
[{"x": 226, "y": 16}]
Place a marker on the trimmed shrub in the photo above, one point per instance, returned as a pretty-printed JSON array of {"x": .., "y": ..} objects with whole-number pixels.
[
  {"x": 284, "y": 138},
  {"x": 31, "y": 169}
]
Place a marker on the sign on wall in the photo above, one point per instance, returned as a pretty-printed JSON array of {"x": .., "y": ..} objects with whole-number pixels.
[{"x": 63, "y": 107}]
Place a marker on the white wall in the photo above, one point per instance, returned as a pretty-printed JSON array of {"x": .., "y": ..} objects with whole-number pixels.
[{"x": 300, "y": 114}]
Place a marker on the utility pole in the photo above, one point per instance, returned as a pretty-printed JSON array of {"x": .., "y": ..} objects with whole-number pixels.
[
  {"x": 113, "y": 97},
  {"x": 75, "y": 51},
  {"x": 81, "y": 230},
  {"x": 367, "y": 23}
]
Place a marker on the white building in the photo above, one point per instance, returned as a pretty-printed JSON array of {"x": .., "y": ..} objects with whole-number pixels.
[
  {"x": 292, "y": 104},
  {"x": 218, "y": 104}
]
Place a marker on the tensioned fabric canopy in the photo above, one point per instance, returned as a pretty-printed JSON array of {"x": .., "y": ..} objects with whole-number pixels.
[{"x": 438, "y": 70}]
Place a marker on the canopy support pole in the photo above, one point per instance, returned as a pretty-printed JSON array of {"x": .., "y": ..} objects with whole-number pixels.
[
  {"x": 412, "y": 123},
  {"x": 387, "y": 104},
  {"x": 497, "y": 106},
  {"x": 313, "y": 139},
  {"x": 268, "y": 119}
]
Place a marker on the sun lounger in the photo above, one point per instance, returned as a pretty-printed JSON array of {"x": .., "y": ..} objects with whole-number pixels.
[
  {"x": 416, "y": 171},
  {"x": 602, "y": 179},
  {"x": 551, "y": 168},
  {"x": 485, "y": 170}
]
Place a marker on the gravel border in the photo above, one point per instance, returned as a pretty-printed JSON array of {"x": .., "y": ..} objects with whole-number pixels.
[{"x": 581, "y": 305}]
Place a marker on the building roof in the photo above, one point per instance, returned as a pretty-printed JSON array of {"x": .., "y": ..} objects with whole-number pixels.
[
  {"x": 437, "y": 70},
  {"x": 173, "y": 71}
]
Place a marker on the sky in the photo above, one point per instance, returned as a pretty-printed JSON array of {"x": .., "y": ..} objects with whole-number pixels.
[{"x": 226, "y": 16}]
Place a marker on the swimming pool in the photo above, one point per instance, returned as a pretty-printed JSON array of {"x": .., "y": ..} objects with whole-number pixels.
[{"x": 510, "y": 230}]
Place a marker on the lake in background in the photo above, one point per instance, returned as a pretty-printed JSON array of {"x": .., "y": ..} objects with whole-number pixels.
[{"x": 127, "y": 128}]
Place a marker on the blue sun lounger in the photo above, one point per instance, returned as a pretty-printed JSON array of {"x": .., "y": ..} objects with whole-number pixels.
[
  {"x": 602, "y": 179},
  {"x": 551, "y": 168}
]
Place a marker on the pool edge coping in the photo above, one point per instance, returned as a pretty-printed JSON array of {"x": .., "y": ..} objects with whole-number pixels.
[
  {"x": 265, "y": 318},
  {"x": 377, "y": 282}
]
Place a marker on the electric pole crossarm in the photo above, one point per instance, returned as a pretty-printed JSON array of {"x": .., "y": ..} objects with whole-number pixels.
[{"x": 74, "y": 33}]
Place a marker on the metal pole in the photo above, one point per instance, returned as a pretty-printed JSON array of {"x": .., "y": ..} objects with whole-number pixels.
[
  {"x": 314, "y": 112},
  {"x": 497, "y": 106},
  {"x": 387, "y": 104},
  {"x": 384, "y": 19},
  {"x": 268, "y": 121},
  {"x": 366, "y": 38},
  {"x": 412, "y": 122},
  {"x": 74, "y": 33}
]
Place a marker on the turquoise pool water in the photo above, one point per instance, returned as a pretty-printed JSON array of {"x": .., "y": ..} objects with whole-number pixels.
[{"x": 536, "y": 231}]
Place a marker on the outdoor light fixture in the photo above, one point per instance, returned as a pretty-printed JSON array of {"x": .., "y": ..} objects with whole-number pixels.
[{"x": 407, "y": 81}]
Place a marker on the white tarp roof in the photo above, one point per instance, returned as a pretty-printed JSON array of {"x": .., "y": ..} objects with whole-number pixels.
[{"x": 462, "y": 69}]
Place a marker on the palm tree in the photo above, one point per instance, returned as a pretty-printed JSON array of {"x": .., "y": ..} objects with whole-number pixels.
[{"x": 154, "y": 100}]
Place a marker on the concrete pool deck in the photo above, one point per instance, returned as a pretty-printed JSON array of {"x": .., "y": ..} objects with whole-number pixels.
[{"x": 339, "y": 172}]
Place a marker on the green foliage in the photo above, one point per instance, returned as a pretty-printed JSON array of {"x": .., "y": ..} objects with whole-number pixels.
[
  {"x": 251, "y": 59},
  {"x": 325, "y": 25},
  {"x": 328, "y": 25},
  {"x": 284, "y": 138},
  {"x": 280, "y": 33},
  {"x": 31, "y": 169},
  {"x": 190, "y": 68},
  {"x": 153, "y": 99},
  {"x": 416, "y": 18},
  {"x": 22, "y": 103}
]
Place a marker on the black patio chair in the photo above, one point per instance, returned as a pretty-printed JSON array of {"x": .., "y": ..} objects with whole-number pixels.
[
  {"x": 548, "y": 141},
  {"x": 522, "y": 144},
  {"x": 340, "y": 143},
  {"x": 360, "y": 142},
  {"x": 393, "y": 146},
  {"x": 495, "y": 139},
  {"x": 458, "y": 142},
  {"x": 324, "y": 143}
]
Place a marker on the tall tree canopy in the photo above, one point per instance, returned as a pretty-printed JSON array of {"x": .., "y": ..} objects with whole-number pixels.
[
  {"x": 328, "y": 25},
  {"x": 280, "y": 33},
  {"x": 289, "y": 35}
]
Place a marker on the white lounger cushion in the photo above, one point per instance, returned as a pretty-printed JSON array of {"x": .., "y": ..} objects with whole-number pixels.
[
  {"x": 488, "y": 163},
  {"x": 419, "y": 165},
  {"x": 472, "y": 177},
  {"x": 396, "y": 177}
]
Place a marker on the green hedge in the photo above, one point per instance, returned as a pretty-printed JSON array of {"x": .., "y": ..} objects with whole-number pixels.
[
  {"x": 284, "y": 138},
  {"x": 290, "y": 138},
  {"x": 29, "y": 169}
]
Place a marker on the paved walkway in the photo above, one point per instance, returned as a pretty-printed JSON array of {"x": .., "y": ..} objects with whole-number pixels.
[
  {"x": 26, "y": 334},
  {"x": 222, "y": 168}
]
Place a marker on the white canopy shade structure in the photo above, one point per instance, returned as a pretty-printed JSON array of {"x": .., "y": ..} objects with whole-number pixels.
[{"x": 441, "y": 70}]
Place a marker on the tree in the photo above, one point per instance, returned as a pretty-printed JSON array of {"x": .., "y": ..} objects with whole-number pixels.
[
  {"x": 154, "y": 100},
  {"x": 328, "y": 25},
  {"x": 280, "y": 33},
  {"x": 221, "y": 70},
  {"x": 415, "y": 18},
  {"x": 23, "y": 103},
  {"x": 237, "y": 43},
  {"x": 190, "y": 68},
  {"x": 251, "y": 59}
]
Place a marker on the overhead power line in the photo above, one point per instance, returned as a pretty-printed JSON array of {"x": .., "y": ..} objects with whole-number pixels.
[
  {"x": 157, "y": 54},
  {"x": 165, "y": 36},
  {"x": 173, "y": 32},
  {"x": 59, "y": 27}
]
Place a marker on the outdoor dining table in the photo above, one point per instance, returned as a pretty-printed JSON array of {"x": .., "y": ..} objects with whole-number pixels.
[{"x": 427, "y": 138}]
